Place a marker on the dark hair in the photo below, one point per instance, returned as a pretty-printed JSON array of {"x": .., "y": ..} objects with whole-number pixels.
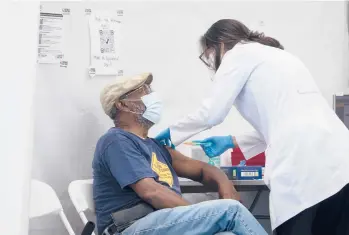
[{"x": 230, "y": 32}]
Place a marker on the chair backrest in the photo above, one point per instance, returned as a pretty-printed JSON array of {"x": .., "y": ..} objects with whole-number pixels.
[
  {"x": 44, "y": 201},
  {"x": 81, "y": 194}
]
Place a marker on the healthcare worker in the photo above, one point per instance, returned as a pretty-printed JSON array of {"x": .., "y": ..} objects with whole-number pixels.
[{"x": 306, "y": 144}]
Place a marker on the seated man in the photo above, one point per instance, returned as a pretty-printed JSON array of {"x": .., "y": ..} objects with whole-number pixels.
[{"x": 136, "y": 188}]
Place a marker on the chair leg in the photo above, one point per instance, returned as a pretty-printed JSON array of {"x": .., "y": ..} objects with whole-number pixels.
[
  {"x": 84, "y": 219},
  {"x": 66, "y": 223}
]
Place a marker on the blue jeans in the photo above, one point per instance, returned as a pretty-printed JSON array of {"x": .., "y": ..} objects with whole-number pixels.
[{"x": 209, "y": 217}]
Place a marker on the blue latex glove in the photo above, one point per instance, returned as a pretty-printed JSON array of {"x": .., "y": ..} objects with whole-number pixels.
[
  {"x": 164, "y": 138},
  {"x": 216, "y": 145}
]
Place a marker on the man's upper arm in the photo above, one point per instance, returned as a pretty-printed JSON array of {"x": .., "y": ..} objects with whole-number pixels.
[
  {"x": 126, "y": 163},
  {"x": 186, "y": 167}
]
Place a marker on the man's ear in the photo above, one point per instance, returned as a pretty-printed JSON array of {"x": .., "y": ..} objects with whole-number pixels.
[{"x": 120, "y": 105}]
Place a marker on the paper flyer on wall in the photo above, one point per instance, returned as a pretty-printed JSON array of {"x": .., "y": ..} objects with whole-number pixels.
[
  {"x": 50, "y": 48},
  {"x": 105, "y": 36}
]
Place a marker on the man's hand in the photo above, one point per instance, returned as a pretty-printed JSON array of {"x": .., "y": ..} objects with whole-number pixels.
[
  {"x": 202, "y": 172},
  {"x": 234, "y": 195},
  {"x": 228, "y": 192}
]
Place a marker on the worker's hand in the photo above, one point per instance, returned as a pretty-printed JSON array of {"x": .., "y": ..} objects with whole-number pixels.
[
  {"x": 216, "y": 145},
  {"x": 164, "y": 138}
]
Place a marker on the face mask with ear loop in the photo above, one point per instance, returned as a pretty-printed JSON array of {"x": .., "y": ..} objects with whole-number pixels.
[
  {"x": 219, "y": 53},
  {"x": 153, "y": 107},
  {"x": 208, "y": 58},
  {"x": 215, "y": 60},
  {"x": 218, "y": 46},
  {"x": 212, "y": 60},
  {"x": 218, "y": 60}
]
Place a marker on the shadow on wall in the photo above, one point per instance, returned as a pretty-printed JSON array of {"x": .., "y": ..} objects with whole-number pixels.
[{"x": 74, "y": 162}]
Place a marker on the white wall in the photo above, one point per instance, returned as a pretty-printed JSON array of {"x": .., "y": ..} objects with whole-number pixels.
[
  {"x": 162, "y": 37},
  {"x": 18, "y": 23}
]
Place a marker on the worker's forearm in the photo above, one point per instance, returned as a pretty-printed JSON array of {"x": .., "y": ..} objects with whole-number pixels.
[{"x": 164, "y": 198}]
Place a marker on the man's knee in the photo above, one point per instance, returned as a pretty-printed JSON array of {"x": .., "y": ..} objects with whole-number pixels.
[
  {"x": 230, "y": 204},
  {"x": 224, "y": 205},
  {"x": 227, "y": 202}
]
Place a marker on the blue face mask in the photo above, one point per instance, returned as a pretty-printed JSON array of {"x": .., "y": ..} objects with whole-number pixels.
[{"x": 153, "y": 105}]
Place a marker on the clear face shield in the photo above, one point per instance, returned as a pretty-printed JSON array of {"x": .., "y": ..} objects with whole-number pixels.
[
  {"x": 144, "y": 89},
  {"x": 137, "y": 105}
]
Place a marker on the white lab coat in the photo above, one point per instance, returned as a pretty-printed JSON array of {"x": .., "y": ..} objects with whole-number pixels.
[{"x": 306, "y": 145}]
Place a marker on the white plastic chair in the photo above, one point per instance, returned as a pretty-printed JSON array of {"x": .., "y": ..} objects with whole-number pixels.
[
  {"x": 44, "y": 201},
  {"x": 81, "y": 194}
]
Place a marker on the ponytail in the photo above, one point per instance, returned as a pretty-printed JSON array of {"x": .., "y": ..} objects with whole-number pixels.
[{"x": 255, "y": 36}]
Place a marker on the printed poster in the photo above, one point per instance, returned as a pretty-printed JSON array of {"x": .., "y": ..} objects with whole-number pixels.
[
  {"x": 105, "y": 36},
  {"x": 50, "y": 47}
]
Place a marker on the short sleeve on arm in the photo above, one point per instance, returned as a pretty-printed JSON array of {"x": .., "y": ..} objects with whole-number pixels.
[{"x": 126, "y": 163}]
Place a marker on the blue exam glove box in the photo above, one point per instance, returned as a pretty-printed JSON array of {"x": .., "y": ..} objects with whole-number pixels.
[{"x": 243, "y": 172}]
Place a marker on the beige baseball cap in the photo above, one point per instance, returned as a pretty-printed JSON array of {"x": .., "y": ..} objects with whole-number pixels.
[{"x": 113, "y": 91}]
